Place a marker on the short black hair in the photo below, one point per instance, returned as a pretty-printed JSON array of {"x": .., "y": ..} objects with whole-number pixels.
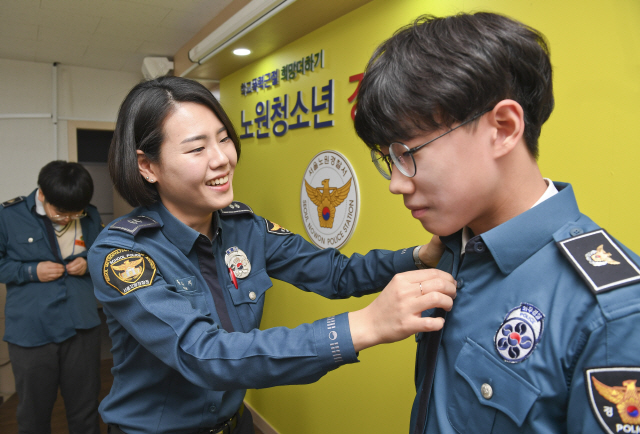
[
  {"x": 67, "y": 186},
  {"x": 439, "y": 71},
  {"x": 140, "y": 127}
]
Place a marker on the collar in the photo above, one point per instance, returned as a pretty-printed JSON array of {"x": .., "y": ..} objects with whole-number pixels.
[
  {"x": 179, "y": 234},
  {"x": 549, "y": 192},
  {"x": 516, "y": 240},
  {"x": 31, "y": 200}
]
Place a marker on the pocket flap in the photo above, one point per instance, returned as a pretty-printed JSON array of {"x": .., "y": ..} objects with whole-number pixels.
[
  {"x": 251, "y": 289},
  {"x": 29, "y": 237},
  {"x": 512, "y": 394}
]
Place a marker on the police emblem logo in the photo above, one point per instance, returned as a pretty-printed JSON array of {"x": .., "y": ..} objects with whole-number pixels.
[
  {"x": 126, "y": 270},
  {"x": 237, "y": 262},
  {"x": 13, "y": 201},
  {"x": 519, "y": 333},
  {"x": 329, "y": 200},
  {"x": 614, "y": 398},
  {"x": 599, "y": 261},
  {"x": 275, "y": 228}
]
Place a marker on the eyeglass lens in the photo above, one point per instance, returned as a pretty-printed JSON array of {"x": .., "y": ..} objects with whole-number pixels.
[
  {"x": 403, "y": 159},
  {"x": 380, "y": 161}
]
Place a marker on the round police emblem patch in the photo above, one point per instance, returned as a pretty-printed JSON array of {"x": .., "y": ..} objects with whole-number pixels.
[
  {"x": 519, "y": 333},
  {"x": 329, "y": 200},
  {"x": 237, "y": 262}
]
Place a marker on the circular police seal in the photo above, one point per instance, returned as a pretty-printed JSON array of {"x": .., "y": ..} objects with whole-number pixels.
[
  {"x": 519, "y": 333},
  {"x": 329, "y": 200},
  {"x": 237, "y": 262}
]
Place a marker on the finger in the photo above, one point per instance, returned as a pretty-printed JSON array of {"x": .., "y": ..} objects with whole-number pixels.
[
  {"x": 429, "y": 324},
  {"x": 417, "y": 276},
  {"x": 443, "y": 285},
  {"x": 432, "y": 300}
]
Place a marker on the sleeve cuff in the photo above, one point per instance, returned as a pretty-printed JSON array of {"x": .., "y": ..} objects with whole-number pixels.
[
  {"x": 403, "y": 260},
  {"x": 333, "y": 341},
  {"x": 30, "y": 273}
]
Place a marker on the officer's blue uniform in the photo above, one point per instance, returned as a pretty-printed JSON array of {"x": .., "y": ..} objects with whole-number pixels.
[
  {"x": 38, "y": 313},
  {"x": 175, "y": 369},
  {"x": 501, "y": 370}
]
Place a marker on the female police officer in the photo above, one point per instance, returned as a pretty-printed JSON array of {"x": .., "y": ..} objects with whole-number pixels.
[{"x": 182, "y": 278}]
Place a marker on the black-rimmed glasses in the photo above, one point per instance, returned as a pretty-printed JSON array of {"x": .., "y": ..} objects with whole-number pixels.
[{"x": 401, "y": 156}]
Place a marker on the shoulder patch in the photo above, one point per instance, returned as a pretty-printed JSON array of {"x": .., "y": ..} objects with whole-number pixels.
[
  {"x": 599, "y": 260},
  {"x": 13, "y": 201},
  {"x": 126, "y": 270},
  {"x": 275, "y": 228},
  {"x": 133, "y": 225},
  {"x": 236, "y": 208},
  {"x": 614, "y": 398}
]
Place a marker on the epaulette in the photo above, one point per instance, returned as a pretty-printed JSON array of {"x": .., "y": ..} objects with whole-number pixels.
[
  {"x": 133, "y": 225},
  {"x": 236, "y": 208},
  {"x": 600, "y": 261},
  {"x": 13, "y": 201}
]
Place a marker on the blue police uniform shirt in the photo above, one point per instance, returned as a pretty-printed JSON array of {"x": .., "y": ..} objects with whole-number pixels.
[
  {"x": 526, "y": 342},
  {"x": 38, "y": 313},
  {"x": 175, "y": 369}
]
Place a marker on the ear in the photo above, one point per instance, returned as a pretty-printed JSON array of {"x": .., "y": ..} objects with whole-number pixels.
[
  {"x": 40, "y": 194},
  {"x": 146, "y": 167},
  {"x": 507, "y": 117}
]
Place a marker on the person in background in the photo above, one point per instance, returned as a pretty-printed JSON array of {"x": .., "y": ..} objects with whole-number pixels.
[
  {"x": 51, "y": 313},
  {"x": 540, "y": 336},
  {"x": 183, "y": 278}
]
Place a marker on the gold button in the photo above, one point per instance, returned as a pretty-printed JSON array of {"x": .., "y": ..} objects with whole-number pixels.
[
  {"x": 252, "y": 295},
  {"x": 486, "y": 390},
  {"x": 30, "y": 240}
]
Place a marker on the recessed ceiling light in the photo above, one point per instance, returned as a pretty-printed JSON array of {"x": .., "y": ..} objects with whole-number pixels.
[{"x": 241, "y": 52}]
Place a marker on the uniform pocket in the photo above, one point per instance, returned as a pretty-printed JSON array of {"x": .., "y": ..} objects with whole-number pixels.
[
  {"x": 30, "y": 246},
  {"x": 251, "y": 289},
  {"x": 189, "y": 289},
  {"x": 485, "y": 388}
]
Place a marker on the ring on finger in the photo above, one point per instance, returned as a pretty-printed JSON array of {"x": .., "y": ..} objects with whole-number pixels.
[{"x": 420, "y": 288}]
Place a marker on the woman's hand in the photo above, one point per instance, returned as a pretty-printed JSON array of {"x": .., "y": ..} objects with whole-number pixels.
[{"x": 397, "y": 312}]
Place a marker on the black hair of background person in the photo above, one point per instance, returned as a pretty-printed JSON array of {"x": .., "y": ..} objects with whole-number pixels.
[
  {"x": 65, "y": 185},
  {"x": 140, "y": 127},
  {"x": 459, "y": 80}
]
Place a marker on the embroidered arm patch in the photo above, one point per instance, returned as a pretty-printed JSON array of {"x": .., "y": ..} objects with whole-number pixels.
[
  {"x": 275, "y": 228},
  {"x": 601, "y": 263},
  {"x": 127, "y": 270},
  {"x": 614, "y": 398}
]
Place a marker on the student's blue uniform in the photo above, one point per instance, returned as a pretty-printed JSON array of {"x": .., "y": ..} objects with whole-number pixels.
[
  {"x": 501, "y": 370},
  {"x": 38, "y": 313},
  {"x": 175, "y": 370}
]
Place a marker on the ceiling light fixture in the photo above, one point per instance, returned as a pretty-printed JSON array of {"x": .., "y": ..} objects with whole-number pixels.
[
  {"x": 241, "y": 52},
  {"x": 246, "y": 19}
]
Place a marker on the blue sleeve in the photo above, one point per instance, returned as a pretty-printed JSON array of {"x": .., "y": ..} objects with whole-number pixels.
[
  {"x": 13, "y": 271},
  {"x": 610, "y": 351},
  {"x": 329, "y": 273},
  {"x": 169, "y": 327}
]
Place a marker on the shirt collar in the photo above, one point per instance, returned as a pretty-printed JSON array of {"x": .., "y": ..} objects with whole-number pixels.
[
  {"x": 550, "y": 191},
  {"x": 514, "y": 241},
  {"x": 179, "y": 234},
  {"x": 39, "y": 205}
]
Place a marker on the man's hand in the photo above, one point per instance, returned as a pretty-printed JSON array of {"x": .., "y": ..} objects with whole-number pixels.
[
  {"x": 48, "y": 271},
  {"x": 77, "y": 267},
  {"x": 430, "y": 253},
  {"x": 397, "y": 312}
]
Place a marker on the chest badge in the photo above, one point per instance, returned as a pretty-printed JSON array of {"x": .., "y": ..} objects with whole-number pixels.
[
  {"x": 237, "y": 262},
  {"x": 519, "y": 333},
  {"x": 614, "y": 397}
]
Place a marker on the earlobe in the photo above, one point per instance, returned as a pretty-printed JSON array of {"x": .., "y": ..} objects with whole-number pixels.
[
  {"x": 507, "y": 118},
  {"x": 144, "y": 166}
]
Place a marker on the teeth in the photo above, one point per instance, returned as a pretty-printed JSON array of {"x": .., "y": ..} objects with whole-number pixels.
[{"x": 219, "y": 181}]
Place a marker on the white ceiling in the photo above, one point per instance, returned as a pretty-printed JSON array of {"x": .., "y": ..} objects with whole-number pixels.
[{"x": 103, "y": 34}]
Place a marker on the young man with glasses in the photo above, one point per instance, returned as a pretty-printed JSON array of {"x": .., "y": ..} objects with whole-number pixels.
[
  {"x": 538, "y": 339},
  {"x": 51, "y": 316}
]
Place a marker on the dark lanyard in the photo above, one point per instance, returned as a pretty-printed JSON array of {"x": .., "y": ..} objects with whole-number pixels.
[{"x": 208, "y": 270}]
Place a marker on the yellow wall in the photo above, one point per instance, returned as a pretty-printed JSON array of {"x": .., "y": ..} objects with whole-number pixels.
[{"x": 591, "y": 140}]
